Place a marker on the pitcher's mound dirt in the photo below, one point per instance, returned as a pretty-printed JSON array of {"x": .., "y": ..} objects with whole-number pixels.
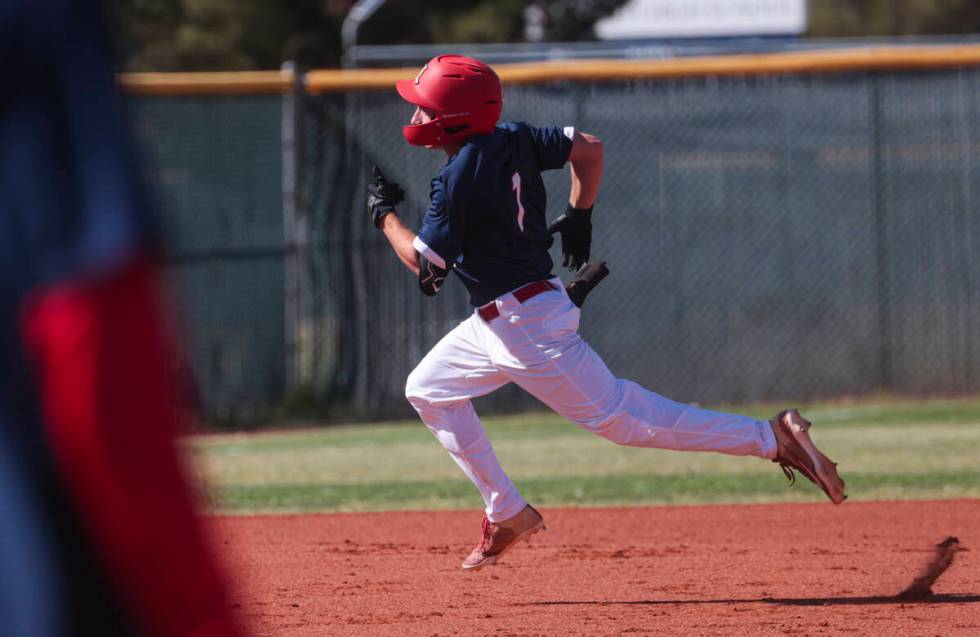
[{"x": 705, "y": 570}]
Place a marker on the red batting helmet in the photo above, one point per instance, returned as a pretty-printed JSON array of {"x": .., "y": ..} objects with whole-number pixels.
[{"x": 464, "y": 93}]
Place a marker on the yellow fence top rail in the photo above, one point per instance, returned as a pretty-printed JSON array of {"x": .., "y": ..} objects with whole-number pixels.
[
  {"x": 824, "y": 61},
  {"x": 226, "y": 83},
  {"x": 895, "y": 58}
]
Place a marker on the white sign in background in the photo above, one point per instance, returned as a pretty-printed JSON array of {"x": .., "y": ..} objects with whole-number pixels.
[{"x": 703, "y": 18}]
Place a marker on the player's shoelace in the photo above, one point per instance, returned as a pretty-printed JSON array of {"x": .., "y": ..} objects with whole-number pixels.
[
  {"x": 800, "y": 465},
  {"x": 789, "y": 473}
]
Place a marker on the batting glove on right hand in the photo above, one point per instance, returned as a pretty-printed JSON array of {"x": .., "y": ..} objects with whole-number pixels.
[
  {"x": 382, "y": 197},
  {"x": 575, "y": 227}
]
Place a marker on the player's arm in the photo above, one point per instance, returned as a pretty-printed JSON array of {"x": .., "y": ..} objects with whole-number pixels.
[
  {"x": 406, "y": 244},
  {"x": 383, "y": 196},
  {"x": 401, "y": 239},
  {"x": 586, "y": 161}
]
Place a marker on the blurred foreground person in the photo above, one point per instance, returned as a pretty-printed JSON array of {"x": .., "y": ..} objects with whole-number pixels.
[{"x": 98, "y": 534}]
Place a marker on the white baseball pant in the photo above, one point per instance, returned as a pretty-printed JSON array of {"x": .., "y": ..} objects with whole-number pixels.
[{"x": 536, "y": 345}]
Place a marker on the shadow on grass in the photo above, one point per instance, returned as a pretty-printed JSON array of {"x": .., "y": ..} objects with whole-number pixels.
[{"x": 779, "y": 601}]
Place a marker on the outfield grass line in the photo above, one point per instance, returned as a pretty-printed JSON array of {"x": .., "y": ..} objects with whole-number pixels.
[
  {"x": 529, "y": 426},
  {"x": 886, "y": 450},
  {"x": 970, "y": 499},
  {"x": 883, "y": 449},
  {"x": 612, "y": 490},
  {"x": 536, "y": 424}
]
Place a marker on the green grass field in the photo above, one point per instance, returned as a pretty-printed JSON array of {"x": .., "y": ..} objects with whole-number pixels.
[{"x": 886, "y": 450}]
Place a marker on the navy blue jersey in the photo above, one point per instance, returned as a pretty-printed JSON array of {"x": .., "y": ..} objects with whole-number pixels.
[
  {"x": 68, "y": 196},
  {"x": 486, "y": 220},
  {"x": 68, "y": 210}
]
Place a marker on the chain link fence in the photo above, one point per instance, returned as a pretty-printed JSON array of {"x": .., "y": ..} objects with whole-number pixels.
[
  {"x": 213, "y": 166},
  {"x": 780, "y": 237}
]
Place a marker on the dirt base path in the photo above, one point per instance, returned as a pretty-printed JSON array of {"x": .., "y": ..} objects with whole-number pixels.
[{"x": 705, "y": 570}]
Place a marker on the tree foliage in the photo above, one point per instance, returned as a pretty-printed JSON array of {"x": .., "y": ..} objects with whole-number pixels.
[
  {"x": 197, "y": 35},
  {"x": 861, "y": 18},
  {"x": 193, "y": 35}
]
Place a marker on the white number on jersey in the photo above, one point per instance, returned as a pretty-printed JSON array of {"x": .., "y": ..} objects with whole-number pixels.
[{"x": 516, "y": 189}]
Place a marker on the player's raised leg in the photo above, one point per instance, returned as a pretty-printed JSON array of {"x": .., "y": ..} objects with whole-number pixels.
[{"x": 541, "y": 350}]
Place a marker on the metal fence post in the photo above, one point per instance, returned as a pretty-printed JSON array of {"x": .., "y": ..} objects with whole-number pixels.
[
  {"x": 295, "y": 231},
  {"x": 967, "y": 118},
  {"x": 881, "y": 236}
]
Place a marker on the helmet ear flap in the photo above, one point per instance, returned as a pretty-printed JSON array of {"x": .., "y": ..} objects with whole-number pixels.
[{"x": 428, "y": 134}]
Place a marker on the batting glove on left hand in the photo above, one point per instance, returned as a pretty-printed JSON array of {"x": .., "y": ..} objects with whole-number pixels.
[
  {"x": 382, "y": 197},
  {"x": 575, "y": 227}
]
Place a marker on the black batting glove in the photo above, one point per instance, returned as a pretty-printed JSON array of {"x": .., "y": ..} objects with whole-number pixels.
[
  {"x": 382, "y": 197},
  {"x": 575, "y": 227}
]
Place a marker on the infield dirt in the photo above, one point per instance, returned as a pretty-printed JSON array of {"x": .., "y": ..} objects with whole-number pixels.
[{"x": 692, "y": 570}]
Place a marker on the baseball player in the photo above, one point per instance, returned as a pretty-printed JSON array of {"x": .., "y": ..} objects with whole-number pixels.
[{"x": 486, "y": 222}]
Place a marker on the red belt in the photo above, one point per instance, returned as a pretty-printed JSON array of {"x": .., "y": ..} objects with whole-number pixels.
[{"x": 489, "y": 311}]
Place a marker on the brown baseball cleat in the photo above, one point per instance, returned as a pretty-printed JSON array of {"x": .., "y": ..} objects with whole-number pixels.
[
  {"x": 795, "y": 450},
  {"x": 500, "y": 537}
]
